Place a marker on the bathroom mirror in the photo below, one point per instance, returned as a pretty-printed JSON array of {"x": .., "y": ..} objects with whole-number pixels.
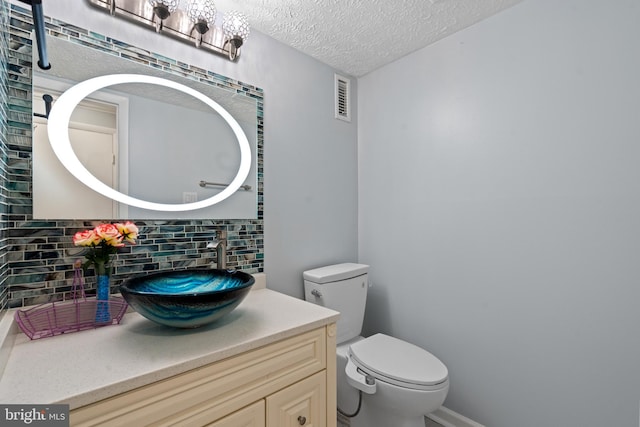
[{"x": 148, "y": 142}]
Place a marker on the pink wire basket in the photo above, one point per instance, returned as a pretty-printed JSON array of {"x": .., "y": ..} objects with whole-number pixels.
[{"x": 47, "y": 320}]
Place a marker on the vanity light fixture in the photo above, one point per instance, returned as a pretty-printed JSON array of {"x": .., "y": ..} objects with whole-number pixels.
[
  {"x": 162, "y": 9},
  {"x": 236, "y": 30},
  {"x": 203, "y": 15},
  {"x": 196, "y": 23}
]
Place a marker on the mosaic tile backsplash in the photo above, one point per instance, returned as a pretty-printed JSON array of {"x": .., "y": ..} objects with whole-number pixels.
[
  {"x": 4, "y": 98},
  {"x": 36, "y": 265}
]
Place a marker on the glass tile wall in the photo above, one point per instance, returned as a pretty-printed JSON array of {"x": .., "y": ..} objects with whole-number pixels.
[{"x": 4, "y": 99}]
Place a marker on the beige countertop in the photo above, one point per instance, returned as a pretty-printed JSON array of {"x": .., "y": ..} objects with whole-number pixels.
[{"x": 84, "y": 367}]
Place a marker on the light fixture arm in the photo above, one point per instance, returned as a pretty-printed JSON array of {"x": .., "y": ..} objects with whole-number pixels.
[
  {"x": 234, "y": 47},
  {"x": 176, "y": 25},
  {"x": 160, "y": 13},
  {"x": 158, "y": 25},
  {"x": 200, "y": 28}
]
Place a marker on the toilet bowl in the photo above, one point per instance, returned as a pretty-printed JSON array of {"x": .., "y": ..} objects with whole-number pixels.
[
  {"x": 400, "y": 382},
  {"x": 382, "y": 381}
]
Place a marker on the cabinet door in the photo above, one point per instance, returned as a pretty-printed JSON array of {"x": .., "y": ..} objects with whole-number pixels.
[
  {"x": 301, "y": 404},
  {"x": 251, "y": 416}
]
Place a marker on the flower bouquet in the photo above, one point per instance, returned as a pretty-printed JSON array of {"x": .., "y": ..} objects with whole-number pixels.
[{"x": 102, "y": 242}]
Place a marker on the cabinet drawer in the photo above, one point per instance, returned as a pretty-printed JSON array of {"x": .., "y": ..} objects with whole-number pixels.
[
  {"x": 198, "y": 397},
  {"x": 251, "y": 416},
  {"x": 301, "y": 404}
]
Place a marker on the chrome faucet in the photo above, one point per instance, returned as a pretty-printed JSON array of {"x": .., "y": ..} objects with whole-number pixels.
[{"x": 220, "y": 245}]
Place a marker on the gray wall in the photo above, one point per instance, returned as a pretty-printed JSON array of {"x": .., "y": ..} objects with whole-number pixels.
[
  {"x": 499, "y": 206},
  {"x": 310, "y": 206}
]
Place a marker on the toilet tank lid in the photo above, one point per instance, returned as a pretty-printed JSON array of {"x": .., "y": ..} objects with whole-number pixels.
[{"x": 333, "y": 273}]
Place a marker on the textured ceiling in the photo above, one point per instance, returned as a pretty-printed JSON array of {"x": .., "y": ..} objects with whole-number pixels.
[{"x": 358, "y": 36}]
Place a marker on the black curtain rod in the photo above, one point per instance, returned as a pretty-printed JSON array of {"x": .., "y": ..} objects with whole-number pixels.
[{"x": 38, "y": 24}]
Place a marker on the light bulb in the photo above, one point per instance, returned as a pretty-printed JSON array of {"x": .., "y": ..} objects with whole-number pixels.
[
  {"x": 236, "y": 29},
  {"x": 202, "y": 13},
  {"x": 236, "y": 25}
]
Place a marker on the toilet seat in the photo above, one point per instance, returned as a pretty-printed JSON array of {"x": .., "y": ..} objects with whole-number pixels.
[{"x": 398, "y": 362}]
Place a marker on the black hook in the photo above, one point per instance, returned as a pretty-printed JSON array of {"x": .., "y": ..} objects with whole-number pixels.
[{"x": 48, "y": 99}]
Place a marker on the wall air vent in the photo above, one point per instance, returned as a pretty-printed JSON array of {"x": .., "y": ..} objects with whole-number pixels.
[{"x": 343, "y": 107}]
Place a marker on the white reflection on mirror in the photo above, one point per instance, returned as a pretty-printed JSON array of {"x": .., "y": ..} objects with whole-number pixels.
[{"x": 58, "y": 125}]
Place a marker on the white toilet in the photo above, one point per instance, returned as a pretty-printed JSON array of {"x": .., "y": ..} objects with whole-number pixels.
[{"x": 391, "y": 382}]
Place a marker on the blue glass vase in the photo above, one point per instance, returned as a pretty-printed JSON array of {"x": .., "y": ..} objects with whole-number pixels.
[{"x": 103, "y": 291}]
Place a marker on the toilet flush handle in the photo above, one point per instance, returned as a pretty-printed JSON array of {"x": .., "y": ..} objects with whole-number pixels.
[
  {"x": 316, "y": 293},
  {"x": 357, "y": 379}
]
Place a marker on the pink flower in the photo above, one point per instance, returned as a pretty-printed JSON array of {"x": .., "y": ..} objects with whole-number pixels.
[
  {"x": 86, "y": 238},
  {"x": 110, "y": 234},
  {"x": 128, "y": 230},
  {"x": 104, "y": 241}
]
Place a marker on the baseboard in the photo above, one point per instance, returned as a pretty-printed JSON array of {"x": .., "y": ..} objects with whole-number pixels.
[{"x": 447, "y": 418}]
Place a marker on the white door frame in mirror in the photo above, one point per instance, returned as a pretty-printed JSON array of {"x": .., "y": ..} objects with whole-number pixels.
[
  {"x": 50, "y": 86},
  {"x": 60, "y": 116}
]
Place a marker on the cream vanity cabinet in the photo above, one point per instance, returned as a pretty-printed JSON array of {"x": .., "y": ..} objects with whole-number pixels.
[{"x": 290, "y": 382}]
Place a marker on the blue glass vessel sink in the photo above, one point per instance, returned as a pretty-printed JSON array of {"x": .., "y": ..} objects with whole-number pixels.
[{"x": 187, "y": 298}]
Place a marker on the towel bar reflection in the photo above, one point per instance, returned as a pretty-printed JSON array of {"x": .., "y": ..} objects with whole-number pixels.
[{"x": 245, "y": 187}]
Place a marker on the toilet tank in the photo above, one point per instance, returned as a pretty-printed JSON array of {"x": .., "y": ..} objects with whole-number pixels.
[{"x": 340, "y": 287}]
